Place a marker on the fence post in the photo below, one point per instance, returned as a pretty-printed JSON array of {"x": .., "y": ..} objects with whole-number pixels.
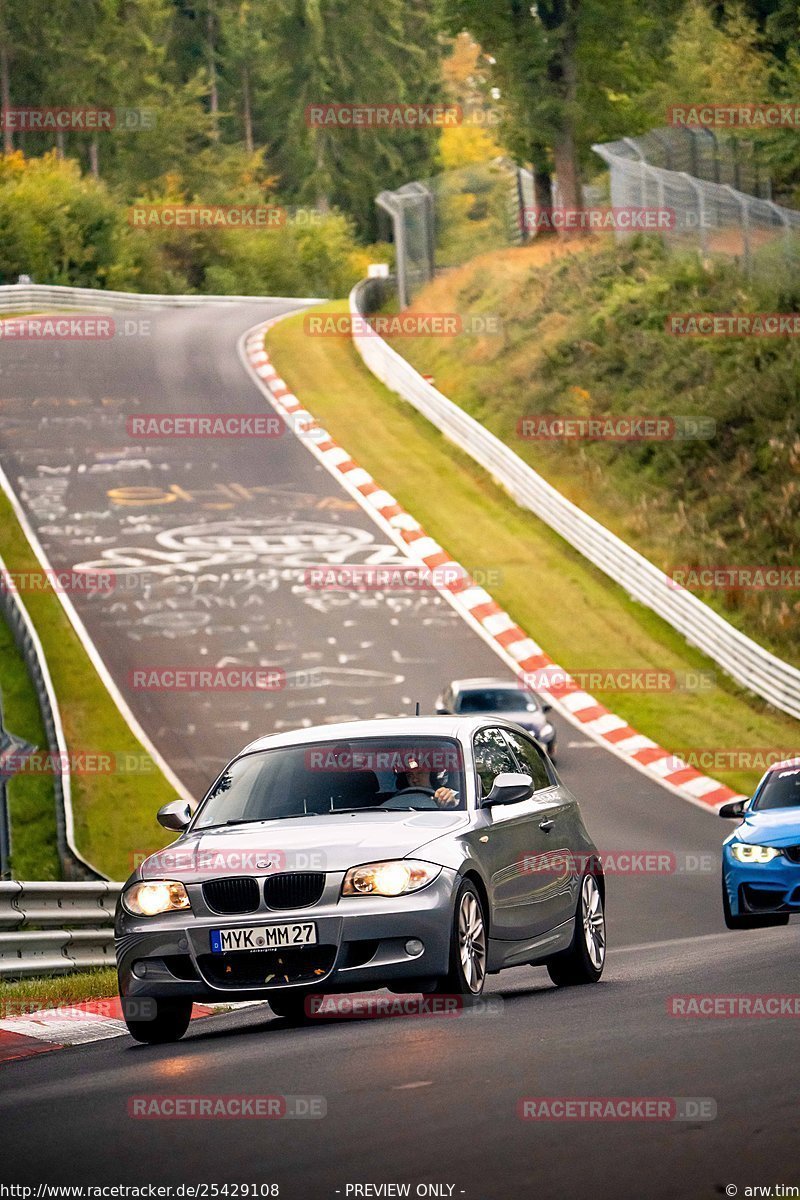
[
  {"x": 696, "y": 187},
  {"x": 390, "y": 204},
  {"x": 744, "y": 218},
  {"x": 784, "y": 220},
  {"x": 643, "y": 167},
  {"x": 523, "y": 232}
]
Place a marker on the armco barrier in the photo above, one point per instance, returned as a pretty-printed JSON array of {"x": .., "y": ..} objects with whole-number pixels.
[
  {"x": 752, "y": 666},
  {"x": 38, "y": 297},
  {"x": 60, "y": 949},
  {"x": 12, "y": 608}
]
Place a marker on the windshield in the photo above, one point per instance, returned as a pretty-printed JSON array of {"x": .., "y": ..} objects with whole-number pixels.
[
  {"x": 366, "y": 774},
  {"x": 781, "y": 790},
  {"x": 497, "y": 700}
]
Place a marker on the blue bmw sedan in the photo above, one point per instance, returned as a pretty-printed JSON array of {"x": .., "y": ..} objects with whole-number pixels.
[{"x": 761, "y": 858}]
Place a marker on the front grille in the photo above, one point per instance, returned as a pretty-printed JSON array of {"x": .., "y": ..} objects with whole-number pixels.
[
  {"x": 294, "y": 889},
  {"x": 231, "y": 895},
  {"x": 792, "y": 853},
  {"x": 267, "y": 968}
]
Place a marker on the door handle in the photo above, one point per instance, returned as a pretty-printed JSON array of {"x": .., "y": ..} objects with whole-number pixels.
[{"x": 547, "y": 824}]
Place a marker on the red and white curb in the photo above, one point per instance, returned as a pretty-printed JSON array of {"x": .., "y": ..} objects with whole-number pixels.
[
  {"x": 46, "y": 1029},
  {"x": 519, "y": 651}
]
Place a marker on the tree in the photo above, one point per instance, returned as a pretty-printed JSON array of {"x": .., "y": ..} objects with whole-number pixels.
[
  {"x": 5, "y": 76},
  {"x": 778, "y": 24},
  {"x": 247, "y": 57},
  {"x": 564, "y": 70},
  {"x": 338, "y": 51}
]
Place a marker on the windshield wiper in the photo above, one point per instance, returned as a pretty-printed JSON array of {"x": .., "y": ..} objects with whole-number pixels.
[
  {"x": 255, "y": 820},
  {"x": 336, "y": 811}
]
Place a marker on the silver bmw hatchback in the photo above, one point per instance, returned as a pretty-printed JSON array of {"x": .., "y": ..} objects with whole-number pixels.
[{"x": 420, "y": 854}]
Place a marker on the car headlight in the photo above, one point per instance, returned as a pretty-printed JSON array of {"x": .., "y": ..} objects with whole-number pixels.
[
  {"x": 746, "y": 853},
  {"x": 389, "y": 878},
  {"x": 546, "y": 732},
  {"x": 149, "y": 898}
]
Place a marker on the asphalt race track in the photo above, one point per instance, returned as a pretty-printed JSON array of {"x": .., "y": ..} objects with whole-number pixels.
[{"x": 215, "y": 536}]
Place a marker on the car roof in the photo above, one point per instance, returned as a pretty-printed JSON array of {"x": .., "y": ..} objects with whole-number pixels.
[
  {"x": 460, "y": 684},
  {"x": 445, "y": 726},
  {"x": 787, "y": 762}
]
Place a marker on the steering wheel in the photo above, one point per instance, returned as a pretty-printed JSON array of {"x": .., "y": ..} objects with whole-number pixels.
[{"x": 426, "y": 792}]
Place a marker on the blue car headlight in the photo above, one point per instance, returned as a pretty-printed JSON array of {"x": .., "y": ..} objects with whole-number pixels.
[{"x": 745, "y": 852}]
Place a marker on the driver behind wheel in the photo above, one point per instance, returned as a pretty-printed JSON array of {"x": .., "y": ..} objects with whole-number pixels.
[{"x": 416, "y": 776}]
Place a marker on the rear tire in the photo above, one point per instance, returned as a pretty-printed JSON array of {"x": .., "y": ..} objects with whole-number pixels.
[
  {"x": 585, "y": 958},
  {"x": 749, "y": 920},
  {"x": 169, "y": 1024}
]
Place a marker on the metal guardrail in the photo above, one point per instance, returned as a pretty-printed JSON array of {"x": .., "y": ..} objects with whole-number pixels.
[
  {"x": 12, "y": 608},
  {"x": 24, "y": 297},
  {"x": 56, "y": 948},
  {"x": 13, "y": 752},
  {"x": 752, "y": 666}
]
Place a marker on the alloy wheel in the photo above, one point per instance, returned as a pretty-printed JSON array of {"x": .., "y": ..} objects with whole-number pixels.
[
  {"x": 472, "y": 942},
  {"x": 594, "y": 922}
]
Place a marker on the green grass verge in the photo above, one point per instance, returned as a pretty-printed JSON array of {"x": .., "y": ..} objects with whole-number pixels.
[
  {"x": 581, "y": 618},
  {"x": 114, "y": 812},
  {"x": 584, "y": 334},
  {"x": 55, "y": 990},
  {"x": 31, "y": 801}
]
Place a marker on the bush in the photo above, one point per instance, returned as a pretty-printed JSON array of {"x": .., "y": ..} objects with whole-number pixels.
[
  {"x": 59, "y": 227},
  {"x": 62, "y": 228}
]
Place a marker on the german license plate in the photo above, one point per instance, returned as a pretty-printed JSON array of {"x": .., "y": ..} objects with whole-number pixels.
[{"x": 264, "y": 937}]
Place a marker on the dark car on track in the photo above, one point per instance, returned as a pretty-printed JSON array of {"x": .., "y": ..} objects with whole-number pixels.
[{"x": 505, "y": 698}]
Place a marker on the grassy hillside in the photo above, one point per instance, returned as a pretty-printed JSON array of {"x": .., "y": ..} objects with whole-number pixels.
[
  {"x": 579, "y": 616},
  {"x": 583, "y": 334}
]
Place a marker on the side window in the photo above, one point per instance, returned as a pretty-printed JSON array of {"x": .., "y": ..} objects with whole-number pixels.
[
  {"x": 530, "y": 760},
  {"x": 492, "y": 757}
]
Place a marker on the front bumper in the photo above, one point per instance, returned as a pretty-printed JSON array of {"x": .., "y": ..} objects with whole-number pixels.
[
  {"x": 772, "y": 887},
  {"x": 361, "y": 943}
]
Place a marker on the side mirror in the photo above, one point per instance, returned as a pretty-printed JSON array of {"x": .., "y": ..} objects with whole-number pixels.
[
  {"x": 175, "y": 816},
  {"x": 547, "y": 706},
  {"x": 735, "y": 808},
  {"x": 509, "y": 786},
  {"x": 441, "y": 709}
]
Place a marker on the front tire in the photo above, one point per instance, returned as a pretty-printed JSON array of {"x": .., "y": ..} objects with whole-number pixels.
[
  {"x": 468, "y": 945},
  {"x": 749, "y": 920},
  {"x": 169, "y": 1024},
  {"x": 585, "y": 958}
]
